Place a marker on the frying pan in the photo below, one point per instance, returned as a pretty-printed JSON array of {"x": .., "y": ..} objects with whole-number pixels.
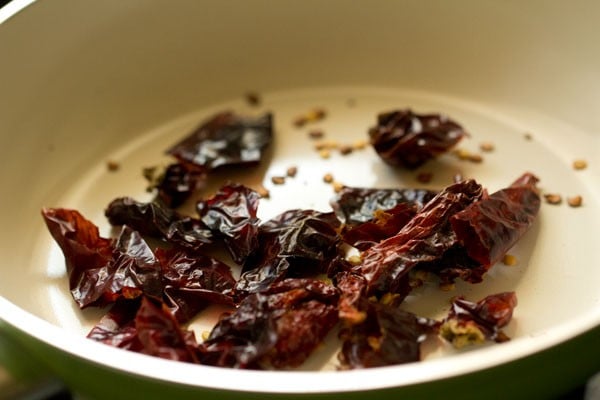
[{"x": 84, "y": 83}]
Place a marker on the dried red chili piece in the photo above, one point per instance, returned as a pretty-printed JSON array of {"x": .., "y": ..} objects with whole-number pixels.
[
  {"x": 80, "y": 242},
  {"x": 226, "y": 139},
  {"x": 388, "y": 335},
  {"x": 470, "y": 323},
  {"x": 158, "y": 221},
  {"x": 100, "y": 270},
  {"x": 297, "y": 243},
  {"x": 407, "y": 139},
  {"x": 276, "y": 328},
  {"x": 490, "y": 227},
  {"x": 179, "y": 181},
  {"x": 425, "y": 238},
  {"x": 146, "y": 327},
  {"x": 231, "y": 215},
  {"x": 355, "y": 205},
  {"x": 383, "y": 225},
  {"x": 193, "y": 281}
]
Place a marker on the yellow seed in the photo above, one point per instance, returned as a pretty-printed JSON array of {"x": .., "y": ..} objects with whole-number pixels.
[
  {"x": 324, "y": 153},
  {"x": 509, "y": 260},
  {"x": 553, "y": 198},
  {"x": 575, "y": 201},
  {"x": 337, "y": 187},
  {"x": 486, "y": 146},
  {"x": 447, "y": 287},
  {"x": 328, "y": 178},
  {"x": 346, "y": 149},
  {"x": 291, "y": 172},
  {"x": 579, "y": 164},
  {"x": 205, "y": 335},
  {"x": 360, "y": 144},
  {"x": 278, "y": 180}
]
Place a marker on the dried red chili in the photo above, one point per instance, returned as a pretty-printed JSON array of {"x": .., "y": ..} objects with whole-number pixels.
[
  {"x": 473, "y": 322},
  {"x": 355, "y": 205},
  {"x": 297, "y": 243},
  {"x": 226, "y": 139},
  {"x": 156, "y": 220},
  {"x": 148, "y": 328},
  {"x": 407, "y": 139},
  {"x": 425, "y": 238},
  {"x": 490, "y": 227},
  {"x": 102, "y": 270},
  {"x": 276, "y": 328},
  {"x": 231, "y": 215},
  {"x": 178, "y": 182},
  {"x": 193, "y": 281}
]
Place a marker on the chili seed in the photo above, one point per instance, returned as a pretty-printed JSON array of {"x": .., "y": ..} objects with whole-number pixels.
[
  {"x": 113, "y": 166},
  {"x": 324, "y": 153},
  {"x": 354, "y": 259},
  {"x": 328, "y": 178},
  {"x": 291, "y": 172},
  {"x": 346, "y": 149},
  {"x": 579, "y": 164},
  {"x": 360, "y": 144},
  {"x": 253, "y": 99},
  {"x": 337, "y": 187},
  {"x": 278, "y": 180},
  {"x": 509, "y": 260},
  {"x": 486, "y": 146},
  {"x": 424, "y": 177},
  {"x": 553, "y": 198},
  {"x": 316, "y": 134},
  {"x": 575, "y": 201},
  {"x": 447, "y": 287},
  {"x": 528, "y": 136}
]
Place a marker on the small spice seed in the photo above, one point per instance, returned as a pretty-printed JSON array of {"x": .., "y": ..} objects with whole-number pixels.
[
  {"x": 486, "y": 146},
  {"x": 575, "y": 201},
  {"x": 324, "y": 153},
  {"x": 337, "y": 187},
  {"x": 113, "y": 166},
  {"x": 278, "y": 180},
  {"x": 509, "y": 260},
  {"x": 263, "y": 192},
  {"x": 328, "y": 178},
  {"x": 553, "y": 198},
  {"x": 579, "y": 164},
  {"x": 424, "y": 177},
  {"x": 346, "y": 149},
  {"x": 316, "y": 134},
  {"x": 291, "y": 172}
]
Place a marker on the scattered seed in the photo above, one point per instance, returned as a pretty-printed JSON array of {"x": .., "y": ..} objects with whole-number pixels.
[
  {"x": 424, "y": 177},
  {"x": 360, "y": 144},
  {"x": 579, "y": 164},
  {"x": 328, "y": 178},
  {"x": 346, "y": 149},
  {"x": 528, "y": 136},
  {"x": 509, "y": 260},
  {"x": 263, "y": 192},
  {"x": 337, "y": 187},
  {"x": 487, "y": 147},
  {"x": 316, "y": 114},
  {"x": 575, "y": 201},
  {"x": 253, "y": 99},
  {"x": 291, "y": 172},
  {"x": 278, "y": 180},
  {"x": 316, "y": 134},
  {"x": 447, "y": 287},
  {"x": 205, "y": 335},
  {"x": 113, "y": 166},
  {"x": 466, "y": 155},
  {"x": 553, "y": 198},
  {"x": 324, "y": 153}
]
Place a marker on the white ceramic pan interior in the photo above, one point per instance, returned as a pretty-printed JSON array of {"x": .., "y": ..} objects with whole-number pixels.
[{"x": 84, "y": 83}]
